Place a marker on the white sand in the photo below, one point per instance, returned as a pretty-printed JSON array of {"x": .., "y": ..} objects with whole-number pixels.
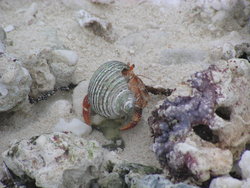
[{"x": 154, "y": 28}]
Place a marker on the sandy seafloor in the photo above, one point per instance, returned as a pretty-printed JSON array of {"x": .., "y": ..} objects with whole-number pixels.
[{"x": 143, "y": 30}]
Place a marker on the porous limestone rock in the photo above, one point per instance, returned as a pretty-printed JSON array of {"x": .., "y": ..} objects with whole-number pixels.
[
  {"x": 230, "y": 182},
  {"x": 202, "y": 160},
  {"x": 56, "y": 160},
  {"x": 200, "y": 135},
  {"x": 219, "y": 16},
  {"x": 245, "y": 164},
  {"x": 225, "y": 182},
  {"x": 60, "y": 160},
  {"x": 42, "y": 78},
  {"x": 98, "y": 26},
  {"x": 137, "y": 176},
  {"x": 243, "y": 51},
  {"x": 228, "y": 51},
  {"x": 238, "y": 51},
  {"x": 15, "y": 84},
  {"x": 51, "y": 68},
  {"x": 126, "y": 174},
  {"x": 63, "y": 65}
]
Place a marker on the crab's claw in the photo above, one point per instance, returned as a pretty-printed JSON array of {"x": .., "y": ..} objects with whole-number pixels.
[
  {"x": 135, "y": 119},
  {"x": 86, "y": 110}
]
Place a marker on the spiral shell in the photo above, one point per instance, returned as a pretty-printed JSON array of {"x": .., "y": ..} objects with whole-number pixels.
[{"x": 108, "y": 92}]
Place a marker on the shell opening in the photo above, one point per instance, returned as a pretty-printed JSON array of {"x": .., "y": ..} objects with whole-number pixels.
[{"x": 128, "y": 106}]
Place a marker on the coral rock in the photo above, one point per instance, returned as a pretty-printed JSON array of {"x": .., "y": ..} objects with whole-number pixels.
[
  {"x": 51, "y": 68},
  {"x": 56, "y": 160},
  {"x": 228, "y": 51},
  {"x": 201, "y": 161},
  {"x": 42, "y": 78},
  {"x": 238, "y": 51},
  {"x": 219, "y": 16},
  {"x": 130, "y": 173},
  {"x": 245, "y": 164},
  {"x": 225, "y": 182},
  {"x": 229, "y": 182},
  {"x": 97, "y": 25},
  {"x": 63, "y": 65},
  {"x": 243, "y": 51},
  {"x": 15, "y": 84},
  {"x": 192, "y": 132}
]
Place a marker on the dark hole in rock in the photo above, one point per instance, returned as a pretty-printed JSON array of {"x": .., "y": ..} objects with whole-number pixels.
[
  {"x": 93, "y": 184},
  {"x": 247, "y": 146},
  {"x": 245, "y": 56},
  {"x": 236, "y": 171},
  {"x": 92, "y": 170},
  {"x": 205, "y": 133},
  {"x": 236, "y": 174},
  {"x": 109, "y": 166},
  {"x": 223, "y": 112},
  {"x": 206, "y": 184}
]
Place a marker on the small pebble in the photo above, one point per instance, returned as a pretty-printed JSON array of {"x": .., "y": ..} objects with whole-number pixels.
[
  {"x": 75, "y": 126},
  {"x": 9, "y": 28}
]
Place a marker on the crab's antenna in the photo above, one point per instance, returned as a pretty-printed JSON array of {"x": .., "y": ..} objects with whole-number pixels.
[{"x": 140, "y": 75}]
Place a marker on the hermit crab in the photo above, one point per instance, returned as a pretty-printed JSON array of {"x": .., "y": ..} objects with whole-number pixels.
[{"x": 115, "y": 91}]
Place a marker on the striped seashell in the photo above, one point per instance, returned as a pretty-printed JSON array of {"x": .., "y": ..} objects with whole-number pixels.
[{"x": 108, "y": 92}]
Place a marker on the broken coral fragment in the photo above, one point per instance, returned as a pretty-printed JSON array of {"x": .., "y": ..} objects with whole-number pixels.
[
  {"x": 15, "y": 83},
  {"x": 98, "y": 26},
  {"x": 54, "y": 159},
  {"x": 201, "y": 134}
]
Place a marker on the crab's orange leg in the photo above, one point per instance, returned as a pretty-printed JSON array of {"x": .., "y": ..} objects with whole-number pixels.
[
  {"x": 86, "y": 110},
  {"x": 138, "y": 88},
  {"x": 135, "y": 119}
]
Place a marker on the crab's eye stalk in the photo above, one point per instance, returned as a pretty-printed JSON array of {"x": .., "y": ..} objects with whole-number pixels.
[{"x": 131, "y": 67}]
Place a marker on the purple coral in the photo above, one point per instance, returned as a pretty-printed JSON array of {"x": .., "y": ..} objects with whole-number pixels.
[{"x": 173, "y": 120}]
